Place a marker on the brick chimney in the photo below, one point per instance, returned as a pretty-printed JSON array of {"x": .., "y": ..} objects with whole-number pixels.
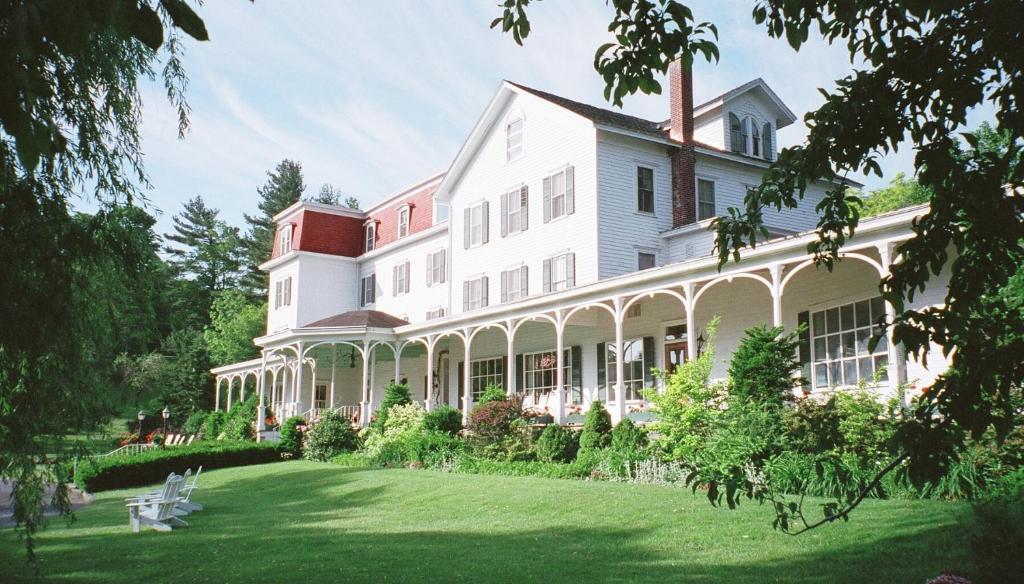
[{"x": 680, "y": 97}]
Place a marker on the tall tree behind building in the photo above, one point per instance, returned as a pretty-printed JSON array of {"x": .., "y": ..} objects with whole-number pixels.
[{"x": 283, "y": 188}]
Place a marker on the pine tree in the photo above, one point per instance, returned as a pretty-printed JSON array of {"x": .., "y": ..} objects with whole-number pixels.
[
  {"x": 206, "y": 254},
  {"x": 284, "y": 187}
]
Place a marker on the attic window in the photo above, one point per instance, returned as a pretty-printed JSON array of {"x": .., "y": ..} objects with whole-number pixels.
[
  {"x": 284, "y": 244},
  {"x": 514, "y": 138},
  {"x": 403, "y": 221},
  {"x": 369, "y": 236}
]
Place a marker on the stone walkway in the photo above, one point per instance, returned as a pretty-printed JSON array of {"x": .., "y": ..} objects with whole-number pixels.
[{"x": 78, "y": 499}]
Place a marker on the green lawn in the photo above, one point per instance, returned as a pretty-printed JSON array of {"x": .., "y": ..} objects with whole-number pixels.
[{"x": 303, "y": 521}]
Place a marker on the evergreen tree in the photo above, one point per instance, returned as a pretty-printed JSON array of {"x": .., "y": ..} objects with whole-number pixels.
[
  {"x": 207, "y": 254},
  {"x": 352, "y": 202},
  {"x": 328, "y": 195},
  {"x": 284, "y": 187}
]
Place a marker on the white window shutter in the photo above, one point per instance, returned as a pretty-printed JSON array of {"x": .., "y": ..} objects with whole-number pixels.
[
  {"x": 444, "y": 265},
  {"x": 408, "y": 272},
  {"x": 570, "y": 203},
  {"x": 524, "y": 206},
  {"x": 485, "y": 211},
  {"x": 288, "y": 292},
  {"x": 430, "y": 269},
  {"x": 766, "y": 141},
  {"x": 483, "y": 291},
  {"x": 524, "y": 287},
  {"x": 373, "y": 288},
  {"x": 465, "y": 228},
  {"x": 394, "y": 281},
  {"x": 547, "y": 276},
  {"x": 465, "y": 296},
  {"x": 505, "y": 286},
  {"x": 547, "y": 199},
  {"x": 504, "y": 214},
  {"x": 570, "y": 270}
]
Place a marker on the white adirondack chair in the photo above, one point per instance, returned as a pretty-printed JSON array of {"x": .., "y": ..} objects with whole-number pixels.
[
  {"x": 185, "y": 504},
  {"x": 168, "y": 439},
  {"x": 190, "y": 439},
  {"x": 157, "y": 511}
]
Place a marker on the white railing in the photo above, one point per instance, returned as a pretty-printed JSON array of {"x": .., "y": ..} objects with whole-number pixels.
[{"x": 133, "y": 448}]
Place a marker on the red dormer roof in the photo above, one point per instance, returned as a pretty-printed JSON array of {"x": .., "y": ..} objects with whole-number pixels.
[
  {"x": 421, "y": 215},
  {"x": 323, "y": 231}
]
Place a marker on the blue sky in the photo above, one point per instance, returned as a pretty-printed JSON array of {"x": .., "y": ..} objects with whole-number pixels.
[{"x": 371, "y": 97}]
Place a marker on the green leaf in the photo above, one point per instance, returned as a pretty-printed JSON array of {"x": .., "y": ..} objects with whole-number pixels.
[{"x": 186, "y": 19}]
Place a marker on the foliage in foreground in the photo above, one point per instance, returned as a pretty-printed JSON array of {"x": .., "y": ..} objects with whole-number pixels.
[
  {"x": 331, "y": 435},
  {"x": 153, "y": 466}
]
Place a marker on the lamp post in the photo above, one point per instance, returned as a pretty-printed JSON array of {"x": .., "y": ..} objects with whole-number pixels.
[
  {"x": 166, "y": 413},
  {"x": 142, "y": 416}
]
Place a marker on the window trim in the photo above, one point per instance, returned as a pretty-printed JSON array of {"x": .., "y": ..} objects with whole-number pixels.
[
  {"x": 483, "y": 300},
  {"x": 696, "y": 196},
  {"x": 515, "y": 116},
  {"x": 642, "y": 166},
  {"x": 401, "y": 272},
  {"x": 473, "y": 376},
  {"x": 522, "y": 291},
  {"x": 646, "y": 252},
  {"x": 566, "y": 375},
  {"x": 369, "y": 236},
  {"x": 881, "y": 350},
  {"x": 435, "y": 313},
  {"x": 284, "y": 244},
  {"x": 368, "y": 297},
  {"x": 647, "y": 362},
  {"x": 548, "y": 202},
  {"x": 403, "y": 227},
  {"x": 437, "y": 274},
  {"x": 548, "y": 267},
  {"x": 484, "y": 209}
]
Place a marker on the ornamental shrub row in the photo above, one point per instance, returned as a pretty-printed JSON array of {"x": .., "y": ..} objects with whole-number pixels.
[{"x": 153, "y": 466}]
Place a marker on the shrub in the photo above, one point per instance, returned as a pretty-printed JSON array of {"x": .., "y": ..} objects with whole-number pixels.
[
  {"x": 195, "y": 422},
  {"x": 443, "y": 419},
  {"x": 556, "y": 444},
  {"x": 763, "y": 367},
  {"x": 213, "y": 425},
  {"x": 152, "y": 466},
  {"x": 492, "y": 393},
  {"x": 395, "y": 394},
  {"x": 291, "y": 436},
  {"x": 331, "y": 435},
  {"x": 597, "y": 427},
  {"x": 393, "y": 443},
  {"x": 493, "y": 420},
  {"x": 241, "y": 420},
  {"x": 627, "y": 437},
  {"x": 999, "y": 532}
]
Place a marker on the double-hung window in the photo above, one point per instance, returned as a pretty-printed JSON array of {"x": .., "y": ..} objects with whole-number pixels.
[
  {"x": 369, "y": 236},
  {"x": 400, "y": 279},
  {"x": 515, "y": 211},
  {"x": 644, "y": 189},
  {"x": 403, "y": 221},
  {"x": 475, "y": 228},
  {"x": 645, "y": 260},
  {"x": 635, "y": 364},
  {"x": 560, "y": 272},
  {"x": 283, "y": 292},
  {"x": 435, "y": 313},
  {"x": 514, "y": 139},
  {"x": 368, "y": 290},
  {"x": 484, "y": 373},
  {"x": 840, "y": 338},
  {"x": 285, "y": 241},
  {"x": 514, "y": 284},
  {"x": 437, "y": 268},
  {"x": 705, "y": 199},
  {"x": 474, "y": 293},
  {"x": 540, "y": 371},
  {"x": 559, "y": 194}
]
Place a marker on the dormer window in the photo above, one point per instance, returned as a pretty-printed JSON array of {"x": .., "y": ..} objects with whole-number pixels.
[
  {"x": 403, "y": 221},
  {"x": 284, "y": 244},
  {"x": 755, "y": 138},
  {"x": 514, "y": 138},
  {"x": 369, "y": 236},
  {"x": 748, "y": 137}
]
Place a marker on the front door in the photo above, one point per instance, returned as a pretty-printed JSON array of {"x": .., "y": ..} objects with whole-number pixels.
[
  {"x": 675, "y": 355},
  {"x": 320, "y": 397}
]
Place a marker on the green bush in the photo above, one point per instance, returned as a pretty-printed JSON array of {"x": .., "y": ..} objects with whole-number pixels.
[
  {"x": 999, "y": 532},
  {"x": 395, "y": 442},
  {"x": 444, "y": 418},
  {"x": 556, "y": 444},
  {"x": 195, "y": 422},
  {"x": 153, "y": 466},
  {"x": 498, "y": 430},
  {"x": 763, "y": 367},
  {"x": 395, "y": 394},
  {"x": 492, "y": 393},
  {"x": 331, "y": 435},
  {"x": 241, "y": 420},
  {"x": 351, "y": 460},
  {"x": 213, "y": 425},
  {"x": 291, "y": 436},
  {"x": 627, "y": 437},
  {"x": 597, "y": 427}
]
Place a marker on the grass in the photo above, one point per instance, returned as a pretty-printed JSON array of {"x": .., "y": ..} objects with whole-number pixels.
[
  {"x": 304, "y": 521},
  {"x": 98, "y": 441}
]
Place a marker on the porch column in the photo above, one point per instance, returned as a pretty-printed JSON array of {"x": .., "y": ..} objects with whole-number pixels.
[
  {"x": 273, "y": 390},
  {"x": 467, "y": 385},
  {"x": 334, "y": 369},
  {"x": 691, "y": 323},
  {"x": 364, "y": 404},
  {"x": 231, "y": 381},
  {"x": 510, "y": 359},
  {"x": 896, "y": 370},
  {"x": 620, "y": 389},
  {"x": 312, "y": 384},
  {"x": 300, "y": 408},
  {"x": 776, "y": 272},
  {"x": 397, "y": 350},
  {"x": 261, "y": 409},
  {"x": 216, "y": 393},
  {"x": 429, "y": 401},
  {"x": 559, "y": 414},
  {"x": 241, "y": 389}
]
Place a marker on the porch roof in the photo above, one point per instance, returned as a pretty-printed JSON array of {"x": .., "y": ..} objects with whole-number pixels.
[{"x": 359, "y": 318}]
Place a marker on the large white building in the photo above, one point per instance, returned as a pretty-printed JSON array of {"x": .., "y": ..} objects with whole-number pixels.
[{"x": 563, "y": 255}]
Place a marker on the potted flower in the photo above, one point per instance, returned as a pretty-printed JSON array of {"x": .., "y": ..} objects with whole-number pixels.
[
  {"x": 534, "y": 416},
  {"x": 640, "y": 413}
]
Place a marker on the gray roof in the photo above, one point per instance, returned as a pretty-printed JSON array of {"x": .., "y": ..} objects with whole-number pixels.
[
  {"x": 600, "y": 115},
  {"x": 363, "y": 318}
]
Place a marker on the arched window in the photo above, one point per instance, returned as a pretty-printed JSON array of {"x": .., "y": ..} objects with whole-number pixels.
[
  {"x": 736, "y": 141},
  {"x": 755, "y": 139},
  {"x": 514, "y": 138},
  {"x": 285, "y": 241},
  {"x": 766, "y": 137}
]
